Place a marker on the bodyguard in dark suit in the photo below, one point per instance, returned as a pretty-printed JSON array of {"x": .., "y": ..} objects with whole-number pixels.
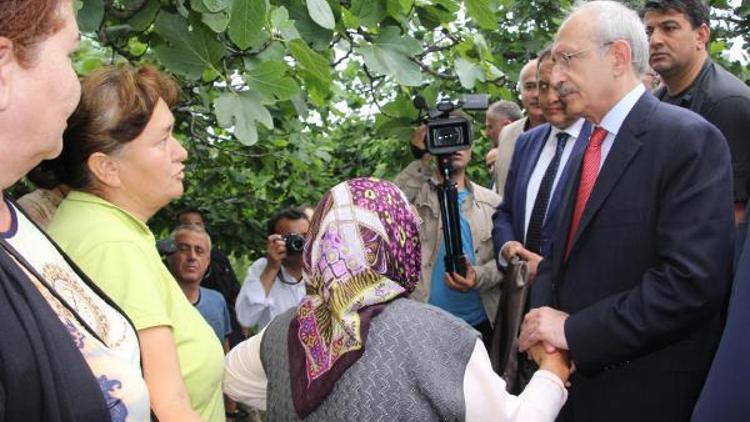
[{"x": 641, "y": 261}]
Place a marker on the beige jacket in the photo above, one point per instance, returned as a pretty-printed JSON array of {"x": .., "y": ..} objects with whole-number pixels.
[
  {"x": 505, "y": 147},
  {"x": 477, "y": 208}
]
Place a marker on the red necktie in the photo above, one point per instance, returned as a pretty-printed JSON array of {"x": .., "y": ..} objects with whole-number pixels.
[{"x": 590, "y": 169}]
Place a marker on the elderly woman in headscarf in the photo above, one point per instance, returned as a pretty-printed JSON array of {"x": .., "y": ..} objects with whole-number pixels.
[{"x": 356, "y": 348}]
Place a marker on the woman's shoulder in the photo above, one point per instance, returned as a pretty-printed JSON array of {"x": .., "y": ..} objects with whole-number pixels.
[
  {"x": 83, "y": 219},
  {"x": 426, "y": 316}
]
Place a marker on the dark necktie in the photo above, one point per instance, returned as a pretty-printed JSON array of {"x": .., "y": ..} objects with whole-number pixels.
[
  {"x": 589, "y": 171},
  {"x": 534, "y": 231}
]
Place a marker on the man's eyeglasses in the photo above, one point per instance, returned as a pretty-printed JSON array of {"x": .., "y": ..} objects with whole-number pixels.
[{"x": 564, "y": 59}]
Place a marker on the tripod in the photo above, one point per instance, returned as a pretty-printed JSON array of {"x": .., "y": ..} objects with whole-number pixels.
[{"x": 448, "y": 198}]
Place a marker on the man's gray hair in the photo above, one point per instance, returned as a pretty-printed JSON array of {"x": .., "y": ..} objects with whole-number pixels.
[
  {"x": 614, "y": 21},
  {"x": 190, "y": 228},
  {"x": 507, "y": 109}
]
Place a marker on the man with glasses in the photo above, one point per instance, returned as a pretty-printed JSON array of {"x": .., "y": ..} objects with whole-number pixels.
[
  {"x": 274, "y": 284},
  {"x": 524, "y": 223},
  {"x": 641, "y": 261}
]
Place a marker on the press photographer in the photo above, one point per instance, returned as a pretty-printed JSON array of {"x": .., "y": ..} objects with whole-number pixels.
[
  {"x": 274, "y": 284},
  {"x": 473, "y": 297}
]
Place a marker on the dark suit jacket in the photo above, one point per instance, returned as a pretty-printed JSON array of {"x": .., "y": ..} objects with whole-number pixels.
[
  {"x": 648, "y": 270},
  {"x": 508, "y": 219},
  {"x": 725, "y": 395}
]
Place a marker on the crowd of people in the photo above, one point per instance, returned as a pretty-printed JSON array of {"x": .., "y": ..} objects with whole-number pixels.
[{"x": 606, "y": 269}]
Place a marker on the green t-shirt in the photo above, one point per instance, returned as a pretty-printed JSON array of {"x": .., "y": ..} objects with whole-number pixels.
[{"x": 119, "y": 253}]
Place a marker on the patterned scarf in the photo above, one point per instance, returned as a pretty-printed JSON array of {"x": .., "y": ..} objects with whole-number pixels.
[{"x": 362, "y": 252}]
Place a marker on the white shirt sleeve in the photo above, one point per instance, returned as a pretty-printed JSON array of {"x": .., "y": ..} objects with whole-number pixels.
[
  {"x": 245, "y": 379},
  {"x": 487, "y": 400},
  {"x": 253, "y": 306}
]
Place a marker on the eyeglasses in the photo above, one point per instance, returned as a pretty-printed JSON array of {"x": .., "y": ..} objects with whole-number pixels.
[{"x": 564, "y": 59}]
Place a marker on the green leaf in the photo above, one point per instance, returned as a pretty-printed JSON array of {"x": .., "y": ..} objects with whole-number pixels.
[
  {"x": 369, "y": 12},
  {"x": 246, "y": 23},
  {"x": 320, "y": 12},
  {"x": 144, "y": 17},
  {"x": 218, "y": 22},
  {"x": 281, "y": 22},
  {"x": 311, "y": 32},
  {"x": 399, "y": 128},
  {"x": 90, "y": 15},
  {"x": 188, "y": 52},
  {"x": 390, "y": 55},
  {"x": 242, "y": 111},
  {"x": 214, "y": 6},
  {"x": 482, "y": 13},
  {"x": 198, "y": 6},
  {"x": 316, "y": 64},
  {"x": 402, "y": 106},
  {"x": 469, "y": 73},
  {"x": 269, "y": 78}
]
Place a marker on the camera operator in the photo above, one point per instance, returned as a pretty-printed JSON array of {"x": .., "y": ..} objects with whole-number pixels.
[
  {"x": 274, "y": 283},
  {"x": 473, "y": 298}
]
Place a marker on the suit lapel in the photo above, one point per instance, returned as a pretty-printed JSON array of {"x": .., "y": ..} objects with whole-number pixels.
[
  {"x": 624, "y": 148},
  {"x": 533, "y": 153}
]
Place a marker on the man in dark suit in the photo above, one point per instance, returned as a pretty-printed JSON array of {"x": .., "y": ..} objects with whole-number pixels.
[
  {"x": 725, "y": 394},
  {"x": 524, "y": 223},
  {"x": 641, "y": 261}
]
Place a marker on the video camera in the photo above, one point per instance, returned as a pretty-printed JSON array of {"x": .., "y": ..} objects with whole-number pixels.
[{"x": 446, "y": 132}]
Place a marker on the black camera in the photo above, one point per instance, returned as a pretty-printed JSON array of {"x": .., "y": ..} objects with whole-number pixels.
[
  {"x": 446, "y": 132},
  {"x": 294, "y": 243}
]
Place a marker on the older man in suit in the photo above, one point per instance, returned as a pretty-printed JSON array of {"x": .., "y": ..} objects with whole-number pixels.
[
  {"x": 524, "y": 222},
  {"x": 641, "y": 261},
  {"x": 527, "y": 87}
]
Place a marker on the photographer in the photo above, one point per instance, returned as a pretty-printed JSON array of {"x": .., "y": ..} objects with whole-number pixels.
[
  {"x": 274, "y": 284},
  {"x": 473, "y": 298}
]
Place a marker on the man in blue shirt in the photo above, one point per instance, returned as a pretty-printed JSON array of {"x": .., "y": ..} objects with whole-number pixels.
[
  {"x": 474, "y": 298},
  {"x": 188, "y": 264}
]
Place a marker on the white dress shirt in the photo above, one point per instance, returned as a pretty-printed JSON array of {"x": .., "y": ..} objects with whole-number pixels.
[
  {"x": 254, "y": 307},
  {"x": 614, "y": 118},
  {"x": 485, "y": 396}
]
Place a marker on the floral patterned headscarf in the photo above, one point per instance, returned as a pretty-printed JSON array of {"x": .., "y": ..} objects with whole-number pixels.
[{"x": 362, "y": 252}]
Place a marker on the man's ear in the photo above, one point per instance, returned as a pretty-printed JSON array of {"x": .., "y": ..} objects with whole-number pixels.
[
  {"x": 104, "y": 169},
  {"x": 7, "y": 64},
  {"x": 622, "y": 55},
  {"x": 702, "y": 37}
]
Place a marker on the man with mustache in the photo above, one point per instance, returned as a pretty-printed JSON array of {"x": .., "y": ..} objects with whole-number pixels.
[
  {"x": 527, "y": 86},
  {"x": 188, "y": 264},
  {"x": 640, "y": 264},
  {"x": 525, "y": 221},
  {"x": 678, "y": 33}
]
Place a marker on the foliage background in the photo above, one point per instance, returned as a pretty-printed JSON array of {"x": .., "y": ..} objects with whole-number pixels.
[{"x": 285, "y": 98}]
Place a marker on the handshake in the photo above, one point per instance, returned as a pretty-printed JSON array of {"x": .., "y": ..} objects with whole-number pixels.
[{"x": 543, "y": 339}]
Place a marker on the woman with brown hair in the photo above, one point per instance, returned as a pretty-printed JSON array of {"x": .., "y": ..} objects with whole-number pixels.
[
  {"x": 123, "y": 164},
  {"x": 68, "y": 353}
]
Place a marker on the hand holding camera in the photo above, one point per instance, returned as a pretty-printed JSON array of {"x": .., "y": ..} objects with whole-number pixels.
[{"x": 280, "y": 246}]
